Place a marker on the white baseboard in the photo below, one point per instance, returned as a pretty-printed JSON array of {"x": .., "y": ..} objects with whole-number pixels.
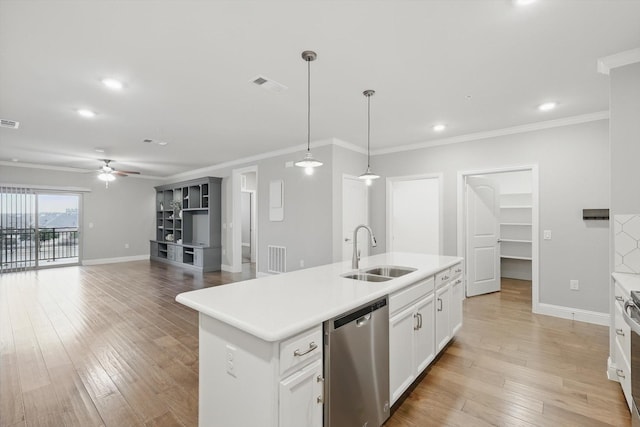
[
  {"x": 261, "y": 274},
  {"x": 98, "y": 261},
  {"x": 578, "y": 314},
  {"x": 229, "y": 268}
]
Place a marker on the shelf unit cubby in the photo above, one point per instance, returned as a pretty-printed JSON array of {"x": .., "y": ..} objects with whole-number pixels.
[
  {"x": 516, "y": 234},
  {"x": 188, "y": 224}
]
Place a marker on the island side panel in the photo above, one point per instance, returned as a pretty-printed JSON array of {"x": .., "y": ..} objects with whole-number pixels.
[{"x": 246, "y": 396}]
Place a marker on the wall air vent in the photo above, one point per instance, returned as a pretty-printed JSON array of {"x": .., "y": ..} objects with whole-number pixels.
[
  {"x": 268, "y": 84},
  {"x": 11, "y": 124}
]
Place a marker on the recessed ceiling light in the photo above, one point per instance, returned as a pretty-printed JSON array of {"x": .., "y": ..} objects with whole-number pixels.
[
  {"x": 547, "y": 106},
  {"x": 523, "y": 2},
  {"x": 439, "y": 127},
  {"x": 15, "y": 160},
  {"x": 86, "y": 113},
  {"x": 112, "y": 84}
]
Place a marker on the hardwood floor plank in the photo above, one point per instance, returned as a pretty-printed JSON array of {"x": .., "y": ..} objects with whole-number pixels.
[{"x": 108, "y": 346}]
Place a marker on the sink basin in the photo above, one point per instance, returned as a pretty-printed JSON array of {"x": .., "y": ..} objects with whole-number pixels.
[
  {"x": 390, "y": 271},
  {"x": 366, "y": 277}
]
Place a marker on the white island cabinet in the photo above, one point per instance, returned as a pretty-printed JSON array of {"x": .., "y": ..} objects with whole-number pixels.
[{"x": 261, "y": 341}]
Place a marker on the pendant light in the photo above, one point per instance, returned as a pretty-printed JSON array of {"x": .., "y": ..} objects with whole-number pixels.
[
  {"x": 308, "y": 162},
  {"x": 369, "y": 176}
]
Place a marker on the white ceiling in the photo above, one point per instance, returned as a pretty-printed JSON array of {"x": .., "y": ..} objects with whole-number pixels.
[{"x": 187, "y": 66}]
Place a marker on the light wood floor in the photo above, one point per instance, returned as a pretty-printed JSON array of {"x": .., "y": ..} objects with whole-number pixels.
[{"x": 108, "y": 345}]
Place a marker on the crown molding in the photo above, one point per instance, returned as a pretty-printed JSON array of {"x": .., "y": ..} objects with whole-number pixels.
[
  {"x": 65, "y": 169},
  {"x": 607, "y": 63},
  {"x": 349, "y": 146},
  {"x": 567, "y": 121},
  {"x": 242, "y": 161}
]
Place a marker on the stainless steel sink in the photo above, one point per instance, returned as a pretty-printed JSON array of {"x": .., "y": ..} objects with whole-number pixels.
[
  {"x": 390, "y": 270},
  {"x": 366, "y": 277}
]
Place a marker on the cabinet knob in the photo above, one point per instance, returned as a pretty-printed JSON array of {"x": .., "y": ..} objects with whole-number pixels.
[
  {"x": 620, "y": 332},
  {"x": 620, "y": 373},
  {"x": 320, "y": 400},
  {"x": 619, "y": 298}
]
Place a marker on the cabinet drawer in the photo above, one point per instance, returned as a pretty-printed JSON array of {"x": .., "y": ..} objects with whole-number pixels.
[
  {"x": 410, "y": 294},
  {"x": 456, "y": 270},
  {"x": 623, "y": 334},
  {"x": 443, "y": 277},
  {"x": 620, "y": 295},
  {"x": 624, "y": 374},
  {"x": 300, "y": 349}
]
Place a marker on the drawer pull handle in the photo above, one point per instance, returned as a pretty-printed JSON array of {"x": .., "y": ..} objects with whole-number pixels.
[
  {"x": 445, "y": 277},
  {"x": 319, "y": 379},
  {"x": 619, "y": 298},
  {"x": 416, "y": 326},
  {"x": 620, "y": 373},
  {"x": 620, "y": 332},
  {"x": 319, "y": 399},
  {"x": 440, "y": 301},
  {"x": 312, "y": 346},
  {"x": 419, "y": 320}
]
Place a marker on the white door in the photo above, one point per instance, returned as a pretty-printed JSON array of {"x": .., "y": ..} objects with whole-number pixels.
[
  {"x": 355, "y": 211},
  {"x": 414, "y": 215},
  {"x": 483, "y": 235}
]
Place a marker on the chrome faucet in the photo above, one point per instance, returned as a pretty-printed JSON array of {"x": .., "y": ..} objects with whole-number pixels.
[{"x": 356, "y": 253}]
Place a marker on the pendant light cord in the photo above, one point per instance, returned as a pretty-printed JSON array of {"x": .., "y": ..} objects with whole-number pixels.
[
  {"x": 308, "y": 105},
  {"x": 368, "y": 132}
]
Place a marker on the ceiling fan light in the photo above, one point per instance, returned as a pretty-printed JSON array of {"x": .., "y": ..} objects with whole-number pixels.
[
  {"x": 107, "y": 177},
  {"x": 308, "y": 162}
]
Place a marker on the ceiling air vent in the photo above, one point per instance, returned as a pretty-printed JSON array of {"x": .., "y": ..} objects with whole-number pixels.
[
  {"x": 268, "y": 84},
  {"x": 11, "y": 124}
]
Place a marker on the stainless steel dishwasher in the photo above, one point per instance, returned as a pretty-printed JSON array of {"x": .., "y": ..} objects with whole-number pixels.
[{"x": 356, "y": 367}]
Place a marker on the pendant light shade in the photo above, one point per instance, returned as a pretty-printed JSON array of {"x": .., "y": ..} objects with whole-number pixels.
[
  {"x": 369, "y": 176},
  {"x": 308, "y": 162}
]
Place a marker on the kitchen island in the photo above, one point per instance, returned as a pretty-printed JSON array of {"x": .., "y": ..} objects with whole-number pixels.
[{"x": 261, "y": 340}]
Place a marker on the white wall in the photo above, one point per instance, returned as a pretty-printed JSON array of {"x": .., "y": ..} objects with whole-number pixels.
[
  {"x": 574, "y": 174},
  {"x": 121, "y": 214},
  {"x": 308, "y": 209}
]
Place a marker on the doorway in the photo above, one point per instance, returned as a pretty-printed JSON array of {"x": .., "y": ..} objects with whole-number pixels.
[
  {"x": 355, "y": 211},
  {"x": 247, "y": 206},
  {"x": 498, "y": 227},
  {"x": 38, "y": 229},
  {"x": 414, "y": 214},
  {"x": 244, "y": 224}
]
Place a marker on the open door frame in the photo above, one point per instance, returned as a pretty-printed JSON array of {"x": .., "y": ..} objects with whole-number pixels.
[
  {"x": 535, "y": 227},
  {"x": 236, "y": 214}
]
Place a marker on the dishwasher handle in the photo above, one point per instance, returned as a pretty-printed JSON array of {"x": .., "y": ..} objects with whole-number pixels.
[{"x": 363, "y": 320}]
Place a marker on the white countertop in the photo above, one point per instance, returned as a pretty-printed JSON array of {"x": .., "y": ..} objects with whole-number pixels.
[
  {"x": 276, "y": 307},
  {"x": 629, "y": 282}
]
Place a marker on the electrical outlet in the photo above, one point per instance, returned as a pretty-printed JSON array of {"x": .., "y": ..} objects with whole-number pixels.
[
  {"x": 231, "y": 360},
  {"x": 126, "y": 246},
  {"x": 574, "y": 285},
  {"x": 547, "y": 234}
]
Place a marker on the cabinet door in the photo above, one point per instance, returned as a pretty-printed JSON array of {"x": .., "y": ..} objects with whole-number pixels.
[
  {"x": 425, "y": 343},
  {"x": 197, "y": 257},
  {"x": 153, "y": 249},
  {"x": 178, "y": 254},
  {"x": 443, "y": 331},
  {"x": 301, "y": 397},
  {"x": 401, "y": 363},
  {"x": 455, "y": 316}
]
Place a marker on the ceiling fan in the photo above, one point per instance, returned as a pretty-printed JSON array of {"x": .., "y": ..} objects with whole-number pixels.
[{"x": 108, "y": 174}]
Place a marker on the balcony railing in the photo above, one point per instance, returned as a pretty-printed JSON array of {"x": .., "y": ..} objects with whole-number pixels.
[{"x": 22, "y": 247}]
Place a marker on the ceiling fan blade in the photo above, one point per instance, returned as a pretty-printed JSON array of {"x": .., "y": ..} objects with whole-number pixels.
[
  {"x": 119, "y": 173},
  {"x": 130, "y": 172}
]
